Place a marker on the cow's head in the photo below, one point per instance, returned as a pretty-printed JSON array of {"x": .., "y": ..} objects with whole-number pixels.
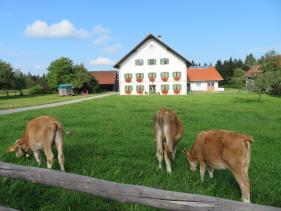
[
  {"x": 191, "y": 159},
  {"x": 18, "y": 148}
]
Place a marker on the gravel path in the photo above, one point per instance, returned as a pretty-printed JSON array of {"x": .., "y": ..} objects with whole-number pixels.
[{"x": 9, "y": 111}]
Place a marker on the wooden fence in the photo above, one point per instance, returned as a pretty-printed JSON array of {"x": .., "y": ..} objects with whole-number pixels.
[{"x": 126, "y": 193}]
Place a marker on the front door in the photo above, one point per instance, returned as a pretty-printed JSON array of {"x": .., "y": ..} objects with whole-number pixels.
[
  {"x": 152, "y": 89},
  {"x": 211, "y": 86}
]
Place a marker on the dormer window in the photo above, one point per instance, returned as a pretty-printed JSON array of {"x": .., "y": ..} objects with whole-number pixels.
[
  {"x": 151, "y": 61},
  {"x": 139, "y": 62},
  {"x": 164, "y": 61}
]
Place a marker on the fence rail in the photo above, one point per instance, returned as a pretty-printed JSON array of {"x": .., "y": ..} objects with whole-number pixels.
[{"x": 126, "y": 193}]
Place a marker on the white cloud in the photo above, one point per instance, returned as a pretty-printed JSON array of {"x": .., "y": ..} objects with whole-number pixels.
[
  {"x": 101, "y": 40},
  {"x": 102, "y": 61},
  {"x": 62, "y": 29},
  {"x": 102, "y": 34},
  {"x": 112, "y": 49},
  {"x": 101, "y": 30}
]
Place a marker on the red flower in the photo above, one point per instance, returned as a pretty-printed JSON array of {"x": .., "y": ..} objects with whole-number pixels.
[
  {"x": 177, "y": 78},
  {"x": 165, "y": 92},
  {"x": 128, "y": 80},
  {"x": 165, "y": 79},
  {"x": 139, "y": 79},
  {"x": 152, "y": 79},
  {"x": 128, "y": 91},
  {"x": 177, "y": 91},
  {"x": 140, "y": 91}
]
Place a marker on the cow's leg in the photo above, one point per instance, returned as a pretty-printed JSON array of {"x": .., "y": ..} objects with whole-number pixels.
[
  {"x": 59, "y": 144},
  {"x": 37, "y": 156},
  {"x": 243, "y": 182},
  {"x": 202, "y": 169},
  {"x": 210, "y": 171},
  {"x": 247, "y": 162},
  {"x": 50, "y": 156},
  {"x": 174, "y": 152},
  {"x": 159, "y": 145},
  {"x": 168, "y": 156}
]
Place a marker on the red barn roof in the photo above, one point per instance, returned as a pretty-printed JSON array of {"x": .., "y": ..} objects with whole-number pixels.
[
  {"x": 104, "y": 77},
  {"x": 203, "y": 74},
  {"x": 253, "y": 71}
]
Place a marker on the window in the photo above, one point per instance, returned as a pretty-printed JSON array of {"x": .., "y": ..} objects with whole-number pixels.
[
  {"x": 139, "y": 62},
  {"x": 128, "y": 77},
  {"x": 139, "y": 77},
  {"x": 140, "y": 88},
  {"x": 164, "y": 61},
  {"x": 128, "y": 89},
  {"x": 164, "y": 76},
  {"x": 151, "y": 61},
  {"x": 164, "y": 87},
  {"x": 152, "y": 76},
  {"x": 177, "y": 75},
  {"x": 177, "y": 86},
  {"x": 198, "y": 84}
]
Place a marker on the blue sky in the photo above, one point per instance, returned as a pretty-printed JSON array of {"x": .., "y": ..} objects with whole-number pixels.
[{"x": 99, "y": 33}]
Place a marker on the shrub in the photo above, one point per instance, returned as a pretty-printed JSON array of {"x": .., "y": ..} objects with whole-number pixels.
[{"x": 37, "y": 89}]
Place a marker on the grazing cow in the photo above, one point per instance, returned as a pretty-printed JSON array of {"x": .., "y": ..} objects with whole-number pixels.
[
  {"x": 40, "y": 134},
  {"x": 222, "y": 149},
  {"x": 168, "y": 131}
]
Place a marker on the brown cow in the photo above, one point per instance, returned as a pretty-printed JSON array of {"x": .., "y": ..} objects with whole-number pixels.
[
  {"x": 40, "y": 134},
  {"x": 222, "y": 149},
  {"x": 168, "y": 131}
]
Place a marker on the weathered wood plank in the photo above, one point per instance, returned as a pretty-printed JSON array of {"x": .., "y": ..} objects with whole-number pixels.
[{"x": 126, "y": 193}]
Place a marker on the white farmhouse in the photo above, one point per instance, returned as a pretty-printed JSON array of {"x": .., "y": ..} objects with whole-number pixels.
[{"x": 152, "y": 67}]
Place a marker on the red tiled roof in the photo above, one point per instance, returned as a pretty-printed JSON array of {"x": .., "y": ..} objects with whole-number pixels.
[
  {"x": 253, "y": 71},
  {"x": 203, "y": 74},
  {"x": 104, "y": 77}
]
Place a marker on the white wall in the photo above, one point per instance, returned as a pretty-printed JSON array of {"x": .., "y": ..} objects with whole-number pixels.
[
  {"x": 202, "y": 86},
  {"x": 153, "y": 50}
]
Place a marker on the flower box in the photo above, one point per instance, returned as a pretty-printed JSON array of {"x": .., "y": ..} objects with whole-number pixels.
[
  {"x": 128, "y": 80},
  {"x": 152, "y": 79},
  {"x": 177, "y": 91},
  {"x": 177, "y": 78},
  {"x": 165, "y": 92},
  {"x": 165, "y": 79},
  {"x": 139, "y": 79},
  {"x": 140, "y": 91},
  {"x": 128, "y": 92}
]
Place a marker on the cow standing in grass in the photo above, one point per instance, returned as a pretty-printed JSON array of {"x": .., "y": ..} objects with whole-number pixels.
[
  {"x": 222, "y": 149},
  {"x": 40, "y": 134},
  {"x": 168, "y": 131}
]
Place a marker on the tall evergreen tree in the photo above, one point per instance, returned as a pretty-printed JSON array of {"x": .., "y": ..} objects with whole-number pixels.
[{"x": 250, "y": 60}]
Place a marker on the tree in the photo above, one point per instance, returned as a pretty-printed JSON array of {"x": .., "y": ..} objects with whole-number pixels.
[
  {"x": 250, "y": 60},
  {"x": 6, "y": 76},
  {"x": 263, "y": 83},
  {"x": 238, "y": 78},
  {"x": 81, "y": 77},
  {"x": 19, "y": 81},
  {"x": 270, "y": 65},
  {"x": 60, "y": 71}
]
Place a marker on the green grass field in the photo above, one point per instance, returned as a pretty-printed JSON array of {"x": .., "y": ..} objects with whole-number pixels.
[
  {"x": 113, "y": 141},
  {"x": 17, "y": 101}
]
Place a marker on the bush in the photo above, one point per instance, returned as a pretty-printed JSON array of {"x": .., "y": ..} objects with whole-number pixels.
[{"x": 37, "y": 89}]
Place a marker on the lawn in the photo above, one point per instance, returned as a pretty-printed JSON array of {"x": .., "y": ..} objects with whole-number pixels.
[
  {"x": 17, "y": 101},
  {"x": 113, "y": 141}
]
